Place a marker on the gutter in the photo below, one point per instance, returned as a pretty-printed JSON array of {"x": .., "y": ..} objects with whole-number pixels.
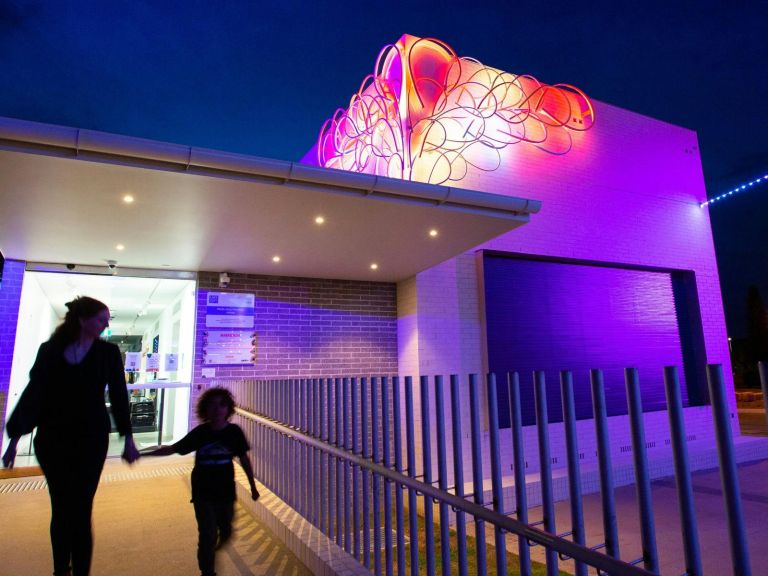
[{"x": 93, "y": 146}]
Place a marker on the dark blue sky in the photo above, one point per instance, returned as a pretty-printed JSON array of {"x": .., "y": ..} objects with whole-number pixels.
[{"x": 261, "y": 77}]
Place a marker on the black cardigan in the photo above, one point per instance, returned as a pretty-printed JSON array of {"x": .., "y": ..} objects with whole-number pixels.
[{"x": 77, "y": 407}]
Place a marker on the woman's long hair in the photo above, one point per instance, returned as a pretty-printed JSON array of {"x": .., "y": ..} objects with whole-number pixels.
[{"x": 81, "y": 308}]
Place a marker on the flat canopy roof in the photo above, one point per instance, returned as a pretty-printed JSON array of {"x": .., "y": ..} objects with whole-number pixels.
[{"x": 61, "y": 201}]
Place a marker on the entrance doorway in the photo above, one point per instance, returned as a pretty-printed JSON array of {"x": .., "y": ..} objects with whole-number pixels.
[{"x": 152, "y": 322}]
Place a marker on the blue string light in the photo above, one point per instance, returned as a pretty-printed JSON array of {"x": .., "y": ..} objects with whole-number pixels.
[{"x": 761, "y": 180}]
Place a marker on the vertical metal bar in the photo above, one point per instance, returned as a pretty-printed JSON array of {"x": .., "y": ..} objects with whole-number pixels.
[
  {"x": 347, "y": 480},
  {"x": 387, "y": 453},
  {"x": 682, "y": 472},
  {"x": 366, "y": 477},
  {"x": 339, "y": 467},
  {"x": 413, "y": 519},
  {"x": 376, "y": 455},
  {"x": 498, "y": 491},
  {"x": 426, "y": 452},
  {"x": 160, "y": 411},
  {"x": 521, "y": 497},
  {"x": 729, "y": 476},
  {"x": 458, "y": 474},
  {"x": 574, "y": 474},
  {"x": 442, "y": 476},
  {"x": 604, "y": 463},
  {"x": 399, "y": 505},
  {"x": 324, "y": 496},
  {"x": 477, "y": 471},
  {"x": 355, "y": 470},
  {"x": 314, "y": 456},
  {"x": 545, "y": 464},
  {"x": 763, "y": 369},
  {"x": 642, "y": 475}
]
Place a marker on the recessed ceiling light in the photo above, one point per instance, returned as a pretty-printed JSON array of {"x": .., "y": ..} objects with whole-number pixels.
[
  {"x": 128, "y": 198},
  {"x": 374, "y": 266},
  {"x": 433, "y": 232},
  {"x": 119, "y": 247},
  {"x": 319, "y": 220},
  {"x": 275, "y": 258}
]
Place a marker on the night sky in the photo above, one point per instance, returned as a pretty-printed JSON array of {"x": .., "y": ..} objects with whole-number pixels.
[{"x": 261, "y": 77}]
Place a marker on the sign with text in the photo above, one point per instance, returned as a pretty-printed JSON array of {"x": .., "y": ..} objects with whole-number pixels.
[
  {"x": 229, "y": 310},
  {"x": 132, "y": 361},
  {"x": 229, "y": 347}
]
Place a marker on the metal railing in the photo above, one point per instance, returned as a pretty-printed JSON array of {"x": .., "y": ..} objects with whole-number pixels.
[{"x": 332, "y": 448}]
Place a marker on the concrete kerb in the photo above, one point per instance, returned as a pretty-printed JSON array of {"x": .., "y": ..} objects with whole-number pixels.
[{"x": 315, "y": 550}]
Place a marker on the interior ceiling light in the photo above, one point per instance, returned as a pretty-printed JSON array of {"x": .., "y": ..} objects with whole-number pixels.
[
  {"x": 433, "y": 232},
  {"x": 319, "y": 220},
  {"x": 128, "y": 199},
  {"x": 119, "y": 247},
  {"x": 275, "y": 258},
  {"x": 374, "y": 266}
]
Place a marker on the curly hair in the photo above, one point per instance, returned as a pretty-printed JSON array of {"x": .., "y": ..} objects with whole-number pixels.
[
  {"x": 81, "y": 308},
  {"x": 202, "y": 404}
]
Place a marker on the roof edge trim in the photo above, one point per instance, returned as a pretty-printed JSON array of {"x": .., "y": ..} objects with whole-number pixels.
[{"x": 94, "y": 146}]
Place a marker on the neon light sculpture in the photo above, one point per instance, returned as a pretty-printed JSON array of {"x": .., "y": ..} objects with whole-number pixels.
[{"x": 428, "y": 115}]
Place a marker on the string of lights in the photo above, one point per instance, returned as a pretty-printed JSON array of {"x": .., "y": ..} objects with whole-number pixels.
[{"x": 745, "y": 186}]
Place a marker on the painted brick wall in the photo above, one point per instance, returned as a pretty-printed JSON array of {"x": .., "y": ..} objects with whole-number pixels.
[
  {"x": 309, "y": 327},
  {"x": 10, "y": 298}
]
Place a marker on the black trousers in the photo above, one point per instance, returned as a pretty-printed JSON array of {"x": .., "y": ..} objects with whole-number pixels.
[
  {"x": 72, "y": 468},
  {"x": 214, "y": 528}
]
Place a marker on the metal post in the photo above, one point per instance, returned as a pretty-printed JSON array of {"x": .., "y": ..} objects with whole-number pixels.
[
  {"x": 366, "y": 477},
  {"x": 498, "y": 490},
  {"x": 604, "y": 463},
  {"x": 442, "y": 477},
  {"x": 426, "y": 452},
  {"x": 345, "y": 400},
  {"x": 376, "y": 478},
  {"x": 388, "y": 551},
  {"x": 574, "y": 473},
  {"x": 339, "y": 466},
  {"x": 763, "y": 369},
  {"x": 355, "y": 472},
  {"x": 413, "y": 521},
  {"x": 477, "y": 471},
  {"x": 642, "y": 476},
  {"x": 458, "y": 473},
  {"x": 521, "y": 498},
  {"x": 399, "y": 505},
  {"x": 729, "y": 476},
  {"x": 682, "y": 472},
  {"x": 545, "y": 465}
]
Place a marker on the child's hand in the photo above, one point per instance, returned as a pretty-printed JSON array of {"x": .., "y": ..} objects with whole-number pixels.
[{"x": 254, "y": 493}]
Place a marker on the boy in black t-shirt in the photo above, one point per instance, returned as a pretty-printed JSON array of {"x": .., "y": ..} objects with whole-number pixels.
[{"x": 215, "y": 442}]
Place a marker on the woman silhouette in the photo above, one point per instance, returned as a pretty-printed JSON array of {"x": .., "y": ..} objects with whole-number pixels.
[{"x": 65, "y": 401}]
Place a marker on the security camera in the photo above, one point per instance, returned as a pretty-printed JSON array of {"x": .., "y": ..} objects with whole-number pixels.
[
  {"x": 70, "y": 266},
  {"x": 112, "y": 264},
  {"x": 223, "y": 280}
]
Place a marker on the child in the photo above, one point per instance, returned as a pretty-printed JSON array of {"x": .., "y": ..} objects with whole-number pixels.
[{"x": 215, "y": 442}]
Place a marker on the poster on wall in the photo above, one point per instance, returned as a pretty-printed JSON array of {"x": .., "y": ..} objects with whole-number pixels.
[
  {"x": 228, "y": 310},
  {"x": 132, "y": 361},
  {"x": 171, "y": 362},
  {"x": 153, "y": 362},
  {"x": 229, "y": 347}
]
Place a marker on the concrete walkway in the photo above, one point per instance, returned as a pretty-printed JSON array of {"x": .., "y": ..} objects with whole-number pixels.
[{"x": 143, "y": 524}]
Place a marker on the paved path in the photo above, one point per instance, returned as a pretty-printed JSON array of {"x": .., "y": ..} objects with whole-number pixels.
[{"x": 143, "y": 524}]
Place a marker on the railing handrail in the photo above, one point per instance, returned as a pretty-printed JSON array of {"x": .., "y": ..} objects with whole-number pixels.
[{"x": 550, "y": 541}]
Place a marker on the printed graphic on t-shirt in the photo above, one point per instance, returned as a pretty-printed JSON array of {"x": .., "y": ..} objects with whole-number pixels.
[{"x": 215, "y": 453}]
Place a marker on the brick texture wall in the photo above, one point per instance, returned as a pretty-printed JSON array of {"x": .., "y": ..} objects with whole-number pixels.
[
  {"x": 10, "y": 297},
  {"x": 308, "y": 327}
]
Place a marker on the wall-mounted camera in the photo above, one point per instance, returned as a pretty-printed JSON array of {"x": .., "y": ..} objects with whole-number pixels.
[{"x": 223, "y": 280}]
